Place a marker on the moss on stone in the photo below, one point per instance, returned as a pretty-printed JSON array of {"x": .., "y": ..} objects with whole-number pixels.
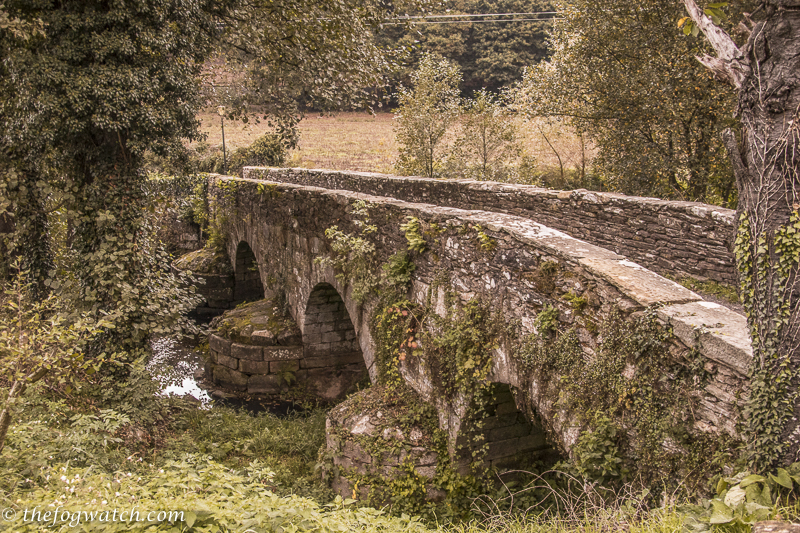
[
  {"x": 207, "y": 260},
  {"x": 239, "y": 324}
]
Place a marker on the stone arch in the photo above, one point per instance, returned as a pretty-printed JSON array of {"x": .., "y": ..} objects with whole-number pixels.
[
  {"x": 332, "y": 357},
  {"x": 247, "y": 285},
  {"x": 510, "y": 439}
]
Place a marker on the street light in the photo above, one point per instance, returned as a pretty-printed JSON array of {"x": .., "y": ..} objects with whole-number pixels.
[{"x": 221, "y": 112}]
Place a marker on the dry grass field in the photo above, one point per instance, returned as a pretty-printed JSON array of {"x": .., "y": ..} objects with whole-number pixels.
[
  {"x": 360, "y": 141},
  {"x": 345, "y": 141}
]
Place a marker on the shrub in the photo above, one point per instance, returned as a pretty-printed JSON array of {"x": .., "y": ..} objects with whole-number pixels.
[{"x": 425, "y": 114}]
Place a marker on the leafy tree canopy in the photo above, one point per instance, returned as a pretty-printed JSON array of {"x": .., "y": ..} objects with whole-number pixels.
[
  {"x": 624, "y": 73},
  {"x": 490, "y": 54},
  {"x": 89, "y": 86}
]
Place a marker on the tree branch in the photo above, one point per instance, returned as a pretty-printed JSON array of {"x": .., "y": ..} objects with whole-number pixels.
[{"x": 728, "y": 64}]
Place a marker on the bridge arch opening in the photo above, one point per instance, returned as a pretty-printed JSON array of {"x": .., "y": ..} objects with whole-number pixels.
[
  {"x": 332, "y": 355},
  {"x": 502, "y": 435},
  {"x": 247, "y": 279}
]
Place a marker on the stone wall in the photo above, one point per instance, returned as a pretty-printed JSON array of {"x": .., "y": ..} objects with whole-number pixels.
[
  {"x": 502, "y": 259},
  {"x": 328, "y": 329},
  {"x": 675, "y": 238},
  {"x": 247, "y": 286},
  {"x": 178, "y": 235},
  {"x": 511, "y": 440},
  {"x": 254, "y": 350},
  {"x": 257, "y": 349},
  {"x": 215, "y": 279}
]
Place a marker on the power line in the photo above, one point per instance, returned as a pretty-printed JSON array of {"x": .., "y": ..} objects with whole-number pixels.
[
  {"x": 471, "y": 21},
  {"x": 425, "y": 19},
  {"x": 405, "y": 17}
]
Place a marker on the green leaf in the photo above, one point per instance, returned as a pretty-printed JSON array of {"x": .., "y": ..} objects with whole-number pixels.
[
  {"x": 721, "y": 514},
  {"x": 735, "y": 497},
  {"x": 752, "y": 478},
  {"x": 190, "y": 518},
  {"x": 782, "y": 479}
]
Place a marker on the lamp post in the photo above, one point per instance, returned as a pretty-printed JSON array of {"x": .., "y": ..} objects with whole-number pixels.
[{"x": 221, "y": 112}]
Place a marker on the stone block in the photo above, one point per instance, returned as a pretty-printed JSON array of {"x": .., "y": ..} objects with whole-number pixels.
[
  {"x": 509, "y": 432},
  {"x": 332, "y": 337},
  {"x": 356, "y": 452},
  {"x": 230, "y": 362},
  {"x": 275, "y": 353},
  {"x": 328, "y": 307},
  {"x": 503, "y": 448},
  {"x": 247, "y": 352},
  {"x": 423, "y": 456},
  {"x": 426, "y": 471},
  {"x": 506, "y": 408},
  {"x": 493, "y": 422},
  {"x": 533, "y": 441},
  {"x": 313, "y": 349},
  {"x": 213, "y": 355},
  {"x": 265, "y": 384},
  {"x": 332, "y": 360},
  {"x": 217, "y": 294},
  {"x": 290, "y": 338},
  {"x": 254, "y": 367},
  {"x": 284, "y": 366},
  {"x": 229, "y": 378},
  {"x": 263, "y": 337},
  {"x": 219, "y": 345}
]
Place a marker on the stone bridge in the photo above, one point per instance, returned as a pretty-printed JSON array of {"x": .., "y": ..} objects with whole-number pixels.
[{"x": 484, "y": 241}]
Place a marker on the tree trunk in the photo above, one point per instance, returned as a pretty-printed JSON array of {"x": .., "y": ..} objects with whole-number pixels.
[
  {"x": 766, "y": 163},
  {"x": 33, "y": 235},
  {"x": 769, "y": 235}
]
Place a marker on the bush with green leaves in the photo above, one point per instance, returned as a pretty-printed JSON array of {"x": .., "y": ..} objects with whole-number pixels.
[
  {"x": 205, "y": 496},
  {"x": 746, "y": 498},
  {"x": 267, "y": 151},
  {"x": 486, "y": 148},
  {"x": 37, "y": 342},
  {"x": 425, "y": 115}
]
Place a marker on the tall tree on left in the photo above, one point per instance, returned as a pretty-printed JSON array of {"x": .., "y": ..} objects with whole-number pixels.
[{"x": 83, "y": 95}]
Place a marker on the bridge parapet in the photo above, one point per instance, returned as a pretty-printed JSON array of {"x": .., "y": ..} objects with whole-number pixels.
[
  {"x": 522, "y": 268},
  {"x": 671, "y": 237}
]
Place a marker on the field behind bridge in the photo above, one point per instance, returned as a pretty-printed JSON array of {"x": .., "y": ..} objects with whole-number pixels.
[{"x": 360, "y": 141}]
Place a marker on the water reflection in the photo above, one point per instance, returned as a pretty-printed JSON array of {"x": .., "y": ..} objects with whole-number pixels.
[
  {"x": 177, "y": 365},
  {"x": 174, "y": 363}
]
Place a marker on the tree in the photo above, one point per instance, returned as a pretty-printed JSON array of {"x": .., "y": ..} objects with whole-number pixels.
[
  {"x": 35, "y": 342},
  {"x": 425, "y": 114},
  {"x": 491, "y": 54},
  {"x": 288, "y": 56},
  {"x": 487, "y": 142},
  {"x": 89, "y": 86},
  {"x": 765, "y": 73},
  {"x": 82, "y": 101},
  {"x": 623, "y": 74}
]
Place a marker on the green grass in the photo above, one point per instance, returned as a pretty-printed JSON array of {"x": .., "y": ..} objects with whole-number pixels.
[{"x": 719, "y": 290}]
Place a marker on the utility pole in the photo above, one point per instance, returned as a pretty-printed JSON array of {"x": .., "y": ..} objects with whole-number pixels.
[{"x": 221, "y": 111}]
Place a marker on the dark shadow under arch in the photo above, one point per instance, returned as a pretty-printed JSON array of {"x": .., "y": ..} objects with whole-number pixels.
[
  {"x": 331, "y": 352},
  {"x": 507, "y": 438},
  {"x": 247, "y": 286}
]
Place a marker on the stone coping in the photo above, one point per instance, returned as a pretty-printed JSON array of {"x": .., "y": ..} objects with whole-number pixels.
[
  {"x": 638, "y": 283},
  {"x": 675, "y": 237},
  {"x": 721, "y": 215}
]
